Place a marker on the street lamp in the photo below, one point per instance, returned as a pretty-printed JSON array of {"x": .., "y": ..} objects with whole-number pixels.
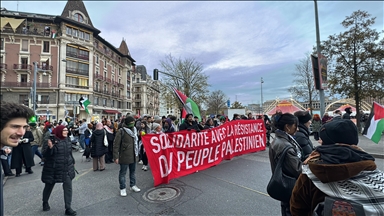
[
  {"x": 261, "y": 103},
  {"x": 34, "y": 85}
]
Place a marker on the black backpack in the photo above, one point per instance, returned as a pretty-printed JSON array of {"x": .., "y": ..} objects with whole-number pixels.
[{"x": 338, "y": 207}]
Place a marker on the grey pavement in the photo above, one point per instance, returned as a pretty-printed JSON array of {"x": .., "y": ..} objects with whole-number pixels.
[{"x": 234, "y": 187}]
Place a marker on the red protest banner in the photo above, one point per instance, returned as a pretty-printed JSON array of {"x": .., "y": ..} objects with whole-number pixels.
[{"x": 181, "y": 153}]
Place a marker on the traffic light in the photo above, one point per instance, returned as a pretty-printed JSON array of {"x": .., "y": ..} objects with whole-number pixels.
[{"x": 155, "y": 74}]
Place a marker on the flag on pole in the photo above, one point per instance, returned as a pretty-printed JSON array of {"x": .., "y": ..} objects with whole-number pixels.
[
  {"x": 375, "y": 125},
  {"x": 84, "y": 102},
  {"x": 189, "y": 106}
]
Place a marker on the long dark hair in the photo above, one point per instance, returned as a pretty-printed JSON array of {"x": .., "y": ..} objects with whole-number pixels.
[{"x": 284, "y": 119}]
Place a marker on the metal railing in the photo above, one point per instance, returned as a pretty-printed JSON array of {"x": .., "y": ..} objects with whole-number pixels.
[
  {"x": 99, "y": 76},
  {"x": 3, "y": 66},
  {"x": 77, "y": 71},
  {"x": 45, "y": 67},
  {"x": 76, "y": 86},
  {"x": 26, "y": 84},
  {"x": 77, "y": 55},
  {"x": 22, "y": 67}
]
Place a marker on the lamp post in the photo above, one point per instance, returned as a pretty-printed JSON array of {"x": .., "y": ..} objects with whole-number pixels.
[
  {"x": 34, "y": 87},
  {"x": 261, "y": 92},
  {"x": 321, "y": 90}
]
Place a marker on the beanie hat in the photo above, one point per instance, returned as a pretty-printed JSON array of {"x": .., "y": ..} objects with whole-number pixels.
[
  {"x": 155, "y": 125},
  {"x": 339, "y": 131},
  {"x": 128, "y": 120},
  {"x": 32, "y": 124},
  {"x": 303, "y": 116}
]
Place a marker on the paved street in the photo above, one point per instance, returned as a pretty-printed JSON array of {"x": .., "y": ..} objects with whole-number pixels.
[{"x": 236, "y": 187}]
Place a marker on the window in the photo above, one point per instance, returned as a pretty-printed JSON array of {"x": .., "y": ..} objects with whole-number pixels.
[
  {"x": 46, "y": 46},
  {"x": 47, "y": 30},
  {"x": 138, "y": 80},
  {"x": 104, "y": 102},
  {"x": 105, "y": 74},
  {"x": 24, "y": 99},
  {"x": 129, "y": 105},
  {"x": 44, "y": 99},
  {"x": 97, "y": 59},
  {"x": 75, "y": 32},
  {"x": 113, "y": 103},
  {"x": 119, "y": 72},
  {"x": 119, "y": 81},
  {"x": 24, "y": 63},
  {"x": 23, "y": 78},
  {"x": 96, "y": 100},
  {"x": 105, "y": 87},
  {"x": 69, "y": 31},
  {"x": 81, "y": 34},
  {"x": 86, "y": 36},
  {"x": 76, "y": 82},
  {"x": 78, "y": 17},
  {"x": 97, "y": 86},
  {"x": 2, "y": 44},
  {"x": 24, "y": 45},
  {"x": 105, "y": 63}
]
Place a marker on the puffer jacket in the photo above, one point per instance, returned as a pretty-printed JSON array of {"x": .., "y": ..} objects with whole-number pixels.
[
  {"x": 59, "y": 162},
  {"x": 124, "y": 147},
  {"x": 302, "y": 138},
  {"x": 98, "y": 148},
  {"x": 292, "y": 162}
]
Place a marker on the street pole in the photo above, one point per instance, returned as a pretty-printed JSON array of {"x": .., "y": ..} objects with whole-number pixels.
[
  {"x": 261, "y": 103},
  {"x": 321, "y": 90},
  {"x": 34, "y": 87}
]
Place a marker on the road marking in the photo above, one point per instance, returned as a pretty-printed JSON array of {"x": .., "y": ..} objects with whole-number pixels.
[{"x": 78, "y": 176}]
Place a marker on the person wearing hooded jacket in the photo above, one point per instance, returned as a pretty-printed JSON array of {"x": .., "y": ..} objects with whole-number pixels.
[
  {"x": 286, "y": 127},
  {"x": 302, "y": 135},
  {"x": 125, "y": 153},
  {"x": 168, "y": 126},
  {"x": 339, "y": 169},
  {"x": 59, "y": 167},
  {"x": 98, "y": 149}
]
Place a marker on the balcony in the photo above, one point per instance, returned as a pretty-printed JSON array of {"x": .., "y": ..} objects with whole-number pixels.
[
  {"x": 22, "y": 67},
  {"x": 98, "y": 90},
  {"x": 115, "y": 94},
  {"x": 77, "y": 71},
  {"x": 25, "y": 84},
  {"x": 115, "y": 83},
  {"x": 99, "y": 77},
  {"x": 3, "y": 66},
  {"x": 76, "y": 86},
  {"x": 45, "y": 67},
  {"x": 77, "y": 55},
  {"x": 105, "y": 92},
  {"x": 121, "y": 85},
  {"x": 23, "y": 31},
  {"x": 108, "y": 80}
]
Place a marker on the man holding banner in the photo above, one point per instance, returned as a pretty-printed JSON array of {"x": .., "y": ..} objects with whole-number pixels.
[{"x": 189, "y": 123}]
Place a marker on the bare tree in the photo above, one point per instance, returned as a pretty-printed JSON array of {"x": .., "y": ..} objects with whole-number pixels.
[
  {"x": 193, "y": 82},
  {"x": 216, "y": 101},
  {"x": 304, "y": 84}
]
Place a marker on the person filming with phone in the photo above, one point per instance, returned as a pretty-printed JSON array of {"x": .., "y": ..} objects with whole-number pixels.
[{"x": 59, "y": 167}]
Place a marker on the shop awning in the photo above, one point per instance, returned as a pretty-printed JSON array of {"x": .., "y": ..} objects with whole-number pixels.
[
  {"x": 111, "y": 111},
  {"x": 44, "y": 58}
]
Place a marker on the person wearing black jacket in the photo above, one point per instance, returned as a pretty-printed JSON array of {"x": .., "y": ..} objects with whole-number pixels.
[
  {"x": 23, "y": 154},
  {"x": 59, "y": 167},
  {"x": 98, "y": 149},
  {"x": 302, "y": 136},
  {"x": 189, "y": 124}
]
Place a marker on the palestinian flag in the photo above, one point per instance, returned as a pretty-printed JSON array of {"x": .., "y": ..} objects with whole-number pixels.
[
  {"x": 84, "y": 102},
  {"x": 375, "y": 126},
  {"x": 189, "y": 105}
]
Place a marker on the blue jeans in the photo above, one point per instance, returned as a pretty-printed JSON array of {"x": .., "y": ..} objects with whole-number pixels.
[
  {"x": 82, "y": 141},
  {"x": 35, "y": 150},
  {"x": 123, "y": 172}
]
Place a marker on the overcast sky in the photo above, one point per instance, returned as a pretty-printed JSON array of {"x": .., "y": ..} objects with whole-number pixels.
[{"x": 237, "y": 42}]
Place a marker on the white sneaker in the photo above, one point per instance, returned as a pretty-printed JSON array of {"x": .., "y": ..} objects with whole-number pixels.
[
  {"x": 135, "y": 188},
  {"x": 123, "y": 192},
  {"x": 140, "y": 162},
  {"x": 145, "y": 168},
  {"x": 81, "y": 150}
]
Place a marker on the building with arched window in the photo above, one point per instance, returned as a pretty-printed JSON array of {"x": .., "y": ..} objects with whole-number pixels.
[{"x": 73, "y": 61}]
